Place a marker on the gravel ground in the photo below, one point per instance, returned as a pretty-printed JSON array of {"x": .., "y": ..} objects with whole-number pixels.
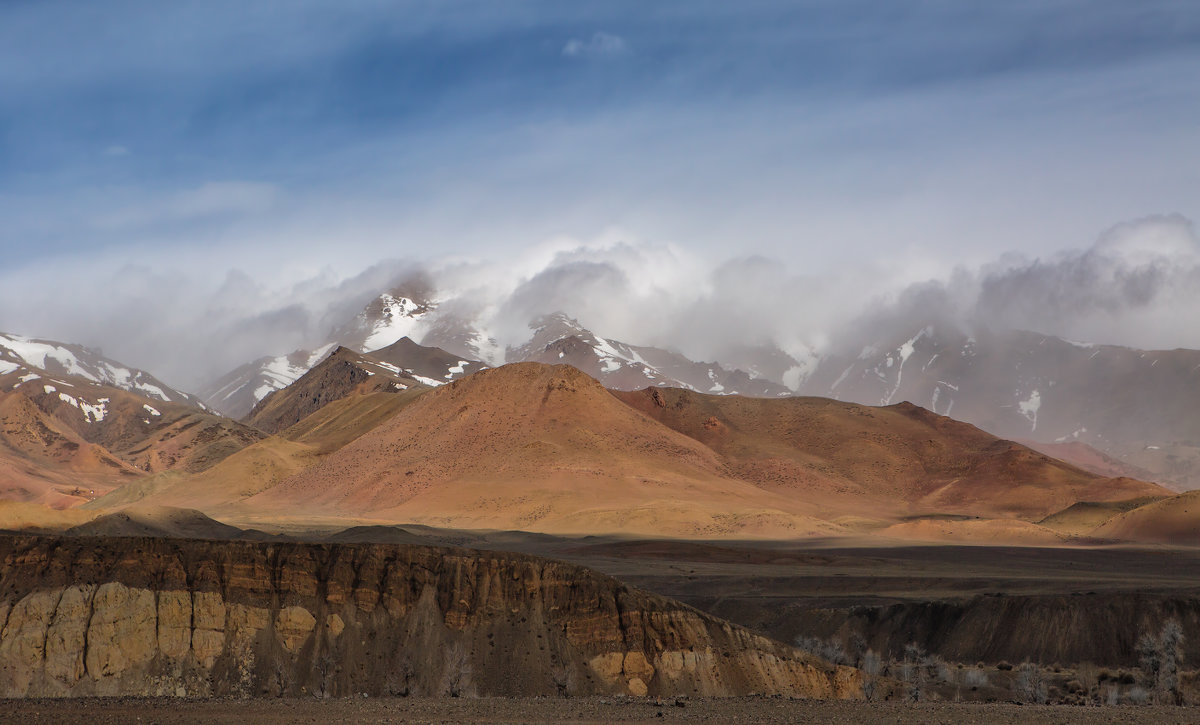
[{"x": 579, "y": 710}]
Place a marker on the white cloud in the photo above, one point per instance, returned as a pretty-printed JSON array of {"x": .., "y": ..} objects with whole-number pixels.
[{"x": 600, "y": 45}]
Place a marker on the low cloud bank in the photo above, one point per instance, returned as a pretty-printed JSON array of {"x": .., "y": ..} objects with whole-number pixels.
[{"x": 1137, "y": 285}]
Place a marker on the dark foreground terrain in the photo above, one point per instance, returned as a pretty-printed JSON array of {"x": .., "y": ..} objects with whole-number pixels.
[{"x": 553, "y": 710}]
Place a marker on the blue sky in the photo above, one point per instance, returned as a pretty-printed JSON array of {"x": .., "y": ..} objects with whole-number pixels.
[
  {"x": 777, "y": 126},
  {"x": 287, "y": 140}
]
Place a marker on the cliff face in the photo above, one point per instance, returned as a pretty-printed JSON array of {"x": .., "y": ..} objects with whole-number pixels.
[
  {"x": 197, "y": 618},
  {"x": 1097, "y": 627}
]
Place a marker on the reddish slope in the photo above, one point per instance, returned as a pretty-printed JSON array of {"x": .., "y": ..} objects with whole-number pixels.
[
  {"x": 536, "y": 447},
  {"x": 44, "y": 462},
  {"x": 822, "y": 447}
]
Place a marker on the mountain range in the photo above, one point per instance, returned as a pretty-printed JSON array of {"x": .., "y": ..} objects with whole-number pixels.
[
  {"x": 572, "y": 432},
  {"x": 1121, "y": 409}
]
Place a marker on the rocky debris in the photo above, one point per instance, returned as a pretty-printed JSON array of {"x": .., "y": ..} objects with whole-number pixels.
[{"x": 141, "y": 616}]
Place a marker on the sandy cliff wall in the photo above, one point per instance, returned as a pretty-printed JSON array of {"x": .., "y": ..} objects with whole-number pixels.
[{"x": 157, "y": 617}]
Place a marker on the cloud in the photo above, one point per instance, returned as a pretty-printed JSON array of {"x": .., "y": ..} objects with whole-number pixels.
[
  {"x": 1138, "y": 284},
  {"x": 600, "y": 45}
]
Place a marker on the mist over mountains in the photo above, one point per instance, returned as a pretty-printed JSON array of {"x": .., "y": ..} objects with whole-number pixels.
[{"x": 1137, "y": 285}]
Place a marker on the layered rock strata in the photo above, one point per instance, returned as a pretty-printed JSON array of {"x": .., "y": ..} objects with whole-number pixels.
[{"x": 95, "y": 616}]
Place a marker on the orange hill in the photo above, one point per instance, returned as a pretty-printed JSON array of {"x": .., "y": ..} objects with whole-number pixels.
[
  {"x": 901, "y": 453},
  {"x": 547, "y": 448},
  {"x": 536, "y": 447},
  {"x": 1174, "y": 520}
]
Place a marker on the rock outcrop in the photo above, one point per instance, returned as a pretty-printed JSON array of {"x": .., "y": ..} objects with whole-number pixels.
[{"x": 141, "y": 616}]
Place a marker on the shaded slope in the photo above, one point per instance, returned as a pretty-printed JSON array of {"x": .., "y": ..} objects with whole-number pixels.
[
  {"x": 429, "y": 365},
  {"x": 266, "y": 463},
  {"x": 1134, "y": 405},
  {"x": 535, "y": 447},
  {"x": 1082, "y": 518},
  {"x": 156, "y": 522},
  {"x": 900, "y": 453},
  {"x": 1090, "y": 459},
  {"x": 343, "y": 373},
  {"x": 1174, "y": 520}
]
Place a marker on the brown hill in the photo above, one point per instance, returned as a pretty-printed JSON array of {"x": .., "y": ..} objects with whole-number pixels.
[
  {"x": 1080, "y": 519},
  {"x": 157, "y": 522},
  {"x": 148, "y": 434},
  {"x": 142, "y": 616},
  {"x": 44, "y": 461},
  {"x": 536, "y": 447},
  {"x": 1174, "y": 520},
  {"x": 1137, "y": 406},
  {"x": 430, "y": 365},
  {"x": 266, "y": 463},
  {"x": 343, "y": 373},
  {"x": 898, "y": 454},
  {"x": 1090, "y": 459},
  {"x": 65, "y": 440}
]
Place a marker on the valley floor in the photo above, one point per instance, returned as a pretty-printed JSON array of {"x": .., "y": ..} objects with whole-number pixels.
[{"x": 576, "y": 710}]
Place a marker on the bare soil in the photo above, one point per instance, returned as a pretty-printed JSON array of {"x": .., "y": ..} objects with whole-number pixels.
[{"x": 580, "y": 710}]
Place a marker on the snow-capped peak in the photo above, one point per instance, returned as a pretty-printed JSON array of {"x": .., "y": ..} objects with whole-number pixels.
[{"x": 18, "y": 352}]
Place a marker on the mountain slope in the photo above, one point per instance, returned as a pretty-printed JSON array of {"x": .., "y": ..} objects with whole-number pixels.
[
  {"x": 25, "y": 355},
  {"x": 452, "y": 348},
  {"x": 344, "y": 372},
  {"x": 1137, "y": 406},
  {"x": 900, "y": 454},
  {"x": 44, "y": 461},
  {"x": 546, "y": 448},
  {"x": 558, "y": 339},
  {"x": 266, "y": 463},
  {"x": 535, "y": 447},
  {"x": 67, "y": 439},
  {"x": 237, "y": 392},
  {"x": 1174, "y": 520}
]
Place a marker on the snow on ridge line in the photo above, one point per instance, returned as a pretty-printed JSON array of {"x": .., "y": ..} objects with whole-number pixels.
[
  {"x": 87, "y": 365},
  {"x": 401, "y": 318}
]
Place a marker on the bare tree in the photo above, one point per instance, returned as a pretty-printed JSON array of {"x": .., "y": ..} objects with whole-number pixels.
[
  {"x": 871, "y": 665},
  {"x": 1031, "y": 684},
  {"x": 912, "y": 671},
  {"x": 564, "y": 678},
  {"x": 1159, "y": 658},
  {"x": 325, "y": 670},
  {"x": 457, "y": 675},
  {"x": 1149, "y": 660},
  {"x": 1170, "y": 642}
]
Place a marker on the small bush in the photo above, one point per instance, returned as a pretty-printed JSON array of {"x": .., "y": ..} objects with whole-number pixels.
[
  {"x": 1031, "y": 684},
  {"x": 1002, "y": 665}
]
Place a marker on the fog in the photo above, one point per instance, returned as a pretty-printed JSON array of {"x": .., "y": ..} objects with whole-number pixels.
[{"x": 1137, "y": 284}]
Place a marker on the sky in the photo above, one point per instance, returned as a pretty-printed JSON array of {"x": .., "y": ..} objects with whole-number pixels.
[{"x": 177, "y": 170}]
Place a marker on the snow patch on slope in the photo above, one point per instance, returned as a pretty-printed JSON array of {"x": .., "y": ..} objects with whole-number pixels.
[{"x": 1030, "y": 406}]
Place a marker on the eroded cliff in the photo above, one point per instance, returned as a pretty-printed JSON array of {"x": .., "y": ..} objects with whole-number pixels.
[{"x": 111, "y": 616}]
